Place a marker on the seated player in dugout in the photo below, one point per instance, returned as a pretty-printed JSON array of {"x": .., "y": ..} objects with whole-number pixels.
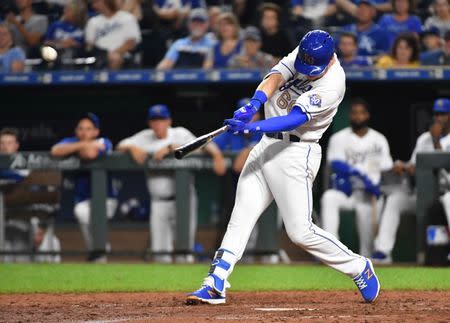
[
  {"x": 193, "y": 50},
  {"x": 87, "y": 145},
  {"x": 159, "y": 141},
  {"x": 44, "y": 240},
  {"x": 356, "y": 155},
  {"x": 404, "y": 199}
]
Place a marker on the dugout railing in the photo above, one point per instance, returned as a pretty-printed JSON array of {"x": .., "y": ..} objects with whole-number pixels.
[{"x": 98, "y": 169}]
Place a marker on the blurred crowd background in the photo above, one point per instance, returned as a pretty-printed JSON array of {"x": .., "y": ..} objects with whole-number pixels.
[{"x": 206, "y": 34}]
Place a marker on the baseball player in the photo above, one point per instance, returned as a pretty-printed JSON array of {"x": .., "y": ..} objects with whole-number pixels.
[
  {"x": 357, "y": 155},
  {"x": 300, "y": 95},
  {"x": 403, "y": 200},
  {"x": 160, "y": 140},
  {"x": 87, "y": 145}
]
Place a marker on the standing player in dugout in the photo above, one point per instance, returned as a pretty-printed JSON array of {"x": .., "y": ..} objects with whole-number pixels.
[{"x": 300, "y": 95}]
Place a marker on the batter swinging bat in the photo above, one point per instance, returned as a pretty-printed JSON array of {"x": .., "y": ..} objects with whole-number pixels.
[{"x": 182, "y": 151}]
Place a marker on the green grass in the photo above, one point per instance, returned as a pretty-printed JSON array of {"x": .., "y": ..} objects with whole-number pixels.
[{"x": 31, "y": 278}]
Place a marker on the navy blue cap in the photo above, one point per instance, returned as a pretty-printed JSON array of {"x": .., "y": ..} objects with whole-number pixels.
[
  {"x": 441, "y": 105},
  {"x": 93, "y": 117},
  {"x": 243, "y": 102},
  {"x": 158, "y": 111},
  {"x": 199, "y": 14},
  {"x": 433, "y": 30}
]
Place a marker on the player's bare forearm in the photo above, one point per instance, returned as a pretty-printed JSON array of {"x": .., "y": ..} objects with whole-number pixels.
[
  {"x": 271, "y": 83},
  {"x": 63, "y": 150}
]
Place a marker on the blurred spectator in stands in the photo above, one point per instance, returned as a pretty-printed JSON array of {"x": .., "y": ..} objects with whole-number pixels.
[
  {"x": 11, "y": 58},
  {"x": 191, "y": 51},
  {"x": 275, "y": 41},
  {"x": 188, "y": 5},
  {"x": 112, "y": 35},
  {"x": 404, "y": 53},
  {"x": 351, "y": 6},
  {"x": 214, "y": 13},
  {"x": 372, "y": 40},
  {"x": 159, "y": 140},
  {"x": 28, "y": 28},
  {"x": 168, "y": 12},
  {"x": 401, "y": 20},
  {"x": 228, "y": 44},
  {"x": 438, "y": 57},
  {"x": 430, "y": 40},
  {"x": 44, "y": 239},
  {"x": 440, "y": 18},
  {"x": 67, "y": 34},
  {"x": 348, "y": 52},
  {"x": 144, "y": 12},
  {"x": 87, "y": 145},
  {"x": 310, "y": 14},
  {"x": 251, "y": 55}
]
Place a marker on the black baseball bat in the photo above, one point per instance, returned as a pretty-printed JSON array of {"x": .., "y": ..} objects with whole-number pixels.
[{"x": 189, "y": 147}]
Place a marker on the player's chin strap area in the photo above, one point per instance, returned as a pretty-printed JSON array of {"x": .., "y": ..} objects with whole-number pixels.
[{"x": 221, "y": 268}]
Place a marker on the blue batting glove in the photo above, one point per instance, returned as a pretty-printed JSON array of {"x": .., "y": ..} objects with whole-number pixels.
[
  {"x": 235, "y": 126},
  {"x": 246, "y": 113}
]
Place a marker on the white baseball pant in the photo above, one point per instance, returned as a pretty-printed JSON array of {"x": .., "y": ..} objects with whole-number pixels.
[
  {"x": 333, "y": 201},
  {"x": 396, "y": 203},
  {"x": 82, "y": 211},
  {"x": 285, "y": 171}
]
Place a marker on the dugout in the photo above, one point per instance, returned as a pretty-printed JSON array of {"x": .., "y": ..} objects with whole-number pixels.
[{"x": 44, "y": 107}]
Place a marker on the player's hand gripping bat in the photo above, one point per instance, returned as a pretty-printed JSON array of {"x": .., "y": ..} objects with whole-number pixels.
[{"x": 189, "y": 147}]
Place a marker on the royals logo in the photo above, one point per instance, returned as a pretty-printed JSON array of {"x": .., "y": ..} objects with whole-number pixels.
[{"x": 315, "y": 100}]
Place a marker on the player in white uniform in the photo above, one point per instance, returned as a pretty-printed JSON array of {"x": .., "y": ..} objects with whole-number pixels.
[
  {"x": 301, "y": 96},
  {"x": 403, "y": 200},
  {"x": 357, "y": 155},
  {"x": 159, "y": 141}
]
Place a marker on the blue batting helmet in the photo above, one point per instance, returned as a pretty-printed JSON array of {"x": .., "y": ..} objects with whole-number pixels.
[
  {"x": 314, "y": 53},
  {"x": 441, "y": 105}
]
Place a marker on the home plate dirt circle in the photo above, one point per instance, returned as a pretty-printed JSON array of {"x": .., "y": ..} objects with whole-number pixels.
[{"x": 295, "y": 306}]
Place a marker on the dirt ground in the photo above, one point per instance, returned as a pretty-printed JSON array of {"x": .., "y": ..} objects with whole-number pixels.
[{"x": 406, "y": 306}]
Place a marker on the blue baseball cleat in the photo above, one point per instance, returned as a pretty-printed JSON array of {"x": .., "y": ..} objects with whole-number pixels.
[
  {"x": 368, "y": 283},
  {"x": 205, "y": 294}
]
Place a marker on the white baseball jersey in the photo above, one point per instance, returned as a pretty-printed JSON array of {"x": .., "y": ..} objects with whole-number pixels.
[
  {"x": 424, "y": 144},
  {"x": 369, "y": 154},
  {"x": 111, "y": 33},
  {"x": 160, "y": 184},
  {"x": 318, "y": 99}
]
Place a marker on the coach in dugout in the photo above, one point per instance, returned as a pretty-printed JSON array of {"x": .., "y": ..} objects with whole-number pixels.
[
  {"x": 87, "y": 145},
  {"x": 159, "y": 140}
]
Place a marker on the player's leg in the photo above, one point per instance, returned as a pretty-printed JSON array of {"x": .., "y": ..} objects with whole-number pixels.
[
  {"x": 290, "y": 176},
  {"x": 445, "y": 200},
  {"x": 82, "y": 212},
  {"x": 364, "y": 224},
  {"x": 396, "y": 203},
  {"x": 252, "y": 198},
  {"x": 332, "y": 202},
  {"x": 161, "y": 229}
]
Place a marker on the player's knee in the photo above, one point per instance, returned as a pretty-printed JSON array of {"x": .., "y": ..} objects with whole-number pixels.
[
  {"x": 82, "y": 212},
  {"x": 300, "y": 236}
]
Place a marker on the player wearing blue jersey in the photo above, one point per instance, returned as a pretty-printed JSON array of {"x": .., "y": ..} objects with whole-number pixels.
[
  {"x": 372, "y": 40},
  {"x": 87, "y": 145},
  {"x": 401, "y": 20}
]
